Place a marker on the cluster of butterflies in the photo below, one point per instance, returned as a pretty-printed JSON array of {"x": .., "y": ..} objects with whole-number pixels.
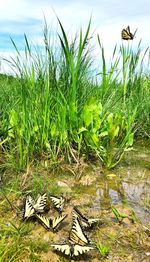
[
  {"x": 78, "y": 243},
  {"x": 37, "y": 209},
  {"x": 127, "y": 35}
]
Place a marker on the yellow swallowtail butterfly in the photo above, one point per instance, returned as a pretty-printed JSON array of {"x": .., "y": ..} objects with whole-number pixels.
[
  {"x": 58, "y": 202},
  {"x": 72, "y": 250},
  {"x": 127, "y": 35},
  {"x": 85, "y": 222},
  {"x": 49, "y": 223},
  {"x": 77, "y": 235},
  {"x": 31, "y": 206}
]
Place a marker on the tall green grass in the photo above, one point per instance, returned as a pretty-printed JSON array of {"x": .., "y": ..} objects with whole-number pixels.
[{"x": 54, "y": 107}]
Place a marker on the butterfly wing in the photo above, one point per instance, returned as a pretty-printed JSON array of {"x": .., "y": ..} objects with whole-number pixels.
[
  {"x": 128, "y": 29},
  {"x": 43, "y": 220},
  {"x": 77, "y": 214},
  {"x": 28, "y": 208},
  {"x": 40, "y": 204},
  {"x": 129, "y": 33},
  {"x": 57, "y": 221},
  {"x": 31, "y": 200},
  {"x": 77, "y": 234},
  {"x": 93, "y": 221},
  {"x": 72, "y": 250},
  {"x": 85, "y": 222},
  {"x": 64, "y": 248},
  {"x": 79, "y": 250},
  {"x": 126, "y": 34},
  {"x": 58, "y": 202}
]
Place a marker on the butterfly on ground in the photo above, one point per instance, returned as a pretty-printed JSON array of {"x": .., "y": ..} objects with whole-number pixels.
[
  {"x": 58, "y": 202},
  {"x": 78, "y": 242},
  {"x": 127, "y": 35},
  {"x": 72, "y": 250},
  {"x": 31, "y": 206},
  {"x": 49, "y": 223},
  {"x": 85, "y": 221},
  {"x": 77, "y": 235}
]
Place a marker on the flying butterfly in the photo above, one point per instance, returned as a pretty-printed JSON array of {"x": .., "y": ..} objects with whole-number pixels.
[
  {"x": 72, "y": 250},
  {"x": 49, "y": 223},
  {"x": 85, "y": 222},
  {"x": 58, "y": 202},
  {"x": 77, "y": 235},
  {"x": 31, "y": 206},
  {"x": 127, "y": 35}
]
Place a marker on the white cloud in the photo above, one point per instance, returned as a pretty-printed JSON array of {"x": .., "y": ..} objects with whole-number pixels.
[{"x": 108, "y": 18}]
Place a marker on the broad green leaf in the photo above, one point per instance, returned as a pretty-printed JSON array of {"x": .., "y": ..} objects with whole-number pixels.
[
  {"x": 82, "y": 129},
  {"x": 103, "y": 134}
]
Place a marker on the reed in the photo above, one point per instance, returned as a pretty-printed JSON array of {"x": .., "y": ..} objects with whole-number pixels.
[{"x": 55, "y": 107}]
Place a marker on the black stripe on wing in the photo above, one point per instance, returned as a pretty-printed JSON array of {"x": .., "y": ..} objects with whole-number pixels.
[
  {"x": 58, "y": 202},
  {"x": 77, "y": 235},
  {"x": 28, "y": 208},
  {"x": 50, "y": 223},
  {"x": 87, "y": 223},
  {"x": 72, "y": 250},
  {"x": 56, "y": 222},
  {"x": 40, "y": 203},
  {"x": 127, "y": 35}
]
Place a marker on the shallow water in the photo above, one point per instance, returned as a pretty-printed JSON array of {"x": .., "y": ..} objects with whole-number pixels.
[
  {"x": 127, "y": 187},
  {"x": 95, "y": 190},
  {"x": 129, "y": 183}
]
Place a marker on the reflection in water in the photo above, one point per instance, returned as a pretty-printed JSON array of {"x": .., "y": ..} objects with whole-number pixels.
[
  {"x": 133, "y": 187},
  {"x": 115, "y": 192},
  {"x": 139, "y": 196},
  {"x": 110, "y": 192}
]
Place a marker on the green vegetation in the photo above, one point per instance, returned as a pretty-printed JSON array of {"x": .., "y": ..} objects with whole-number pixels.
[
  {"x": 118, "y": 215},
  {"x": 15, "y": 243},
  {"x": 103, "y": 250},
  {"x": 121, "y": 216},
  {"x": 30, "y": 241},
  {"x": 55, "y": 108}
]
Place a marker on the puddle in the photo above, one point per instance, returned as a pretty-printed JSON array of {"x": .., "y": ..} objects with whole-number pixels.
[
  {"x": 129, "y": 183},
  {"x": 95, "y": 190}
]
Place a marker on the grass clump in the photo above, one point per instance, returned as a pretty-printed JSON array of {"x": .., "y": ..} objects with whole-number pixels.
[
  {"x": 54, "y": 108},
  {"x": 103, "y": 250},
  {"x": 16, "y": 243}
]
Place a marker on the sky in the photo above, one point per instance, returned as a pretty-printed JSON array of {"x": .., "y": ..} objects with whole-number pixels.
[{"x": 109, "y": 17}]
